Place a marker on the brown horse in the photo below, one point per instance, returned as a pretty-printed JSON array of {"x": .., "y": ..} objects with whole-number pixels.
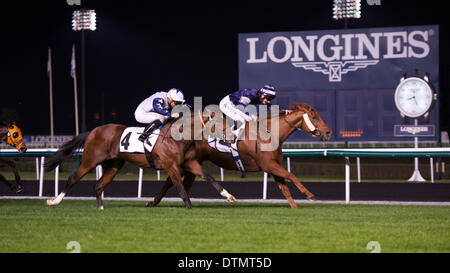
[
  {"x": 11, "y": 134},
  {"x": 101, "y": 146},
  {"x": 301, "y": 117}
]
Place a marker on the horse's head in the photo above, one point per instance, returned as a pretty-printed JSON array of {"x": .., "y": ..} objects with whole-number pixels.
[
  {"x": 14, "y": 137},
  {"x": 311, "y": 121}
]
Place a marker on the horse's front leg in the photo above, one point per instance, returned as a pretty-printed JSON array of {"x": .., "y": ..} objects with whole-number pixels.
[
  {"x": 276, "y": 169},
  {"x": 175, "y": 172},
  {"x": 285, "y": 191},
  {"x": 167, "y": 185},
  {"x": 4, "y": 180},
  {"x": 16, "y": 176},
  {"x": 19, "y": 187}
]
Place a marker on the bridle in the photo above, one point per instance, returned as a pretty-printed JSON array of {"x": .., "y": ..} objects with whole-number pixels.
[
  {"x": 14, "y": 137},
  {"x": 308, "y": 122}
]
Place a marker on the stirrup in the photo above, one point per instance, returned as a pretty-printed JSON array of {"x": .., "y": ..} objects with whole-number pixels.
[
  {"x": 143, "y": 137},
  {"x": 149, "y": 130},
  {"x": 225, "y": 142}
]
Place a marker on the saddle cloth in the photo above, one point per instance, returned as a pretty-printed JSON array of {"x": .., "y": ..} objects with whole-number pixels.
[
  {"x": 214, "y": 143},
  {"x": 129, "y": 142}
]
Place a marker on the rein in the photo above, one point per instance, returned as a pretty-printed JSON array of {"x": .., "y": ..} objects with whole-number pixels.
[{"x": 166, "y": 136}]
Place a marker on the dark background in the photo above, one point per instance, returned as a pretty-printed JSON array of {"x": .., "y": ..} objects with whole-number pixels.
[{"x": 141, "y": 47}]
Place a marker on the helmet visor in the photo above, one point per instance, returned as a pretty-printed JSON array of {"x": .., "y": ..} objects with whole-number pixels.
[{"x": 269, "y": 97}]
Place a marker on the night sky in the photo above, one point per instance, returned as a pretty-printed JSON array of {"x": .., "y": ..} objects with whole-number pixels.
[{"x": 141, "y": 47}]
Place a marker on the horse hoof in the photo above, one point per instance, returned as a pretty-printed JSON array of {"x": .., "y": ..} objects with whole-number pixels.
[
  {"x": 101, "y": 208},
  {"x": 19, "y": 189},
  {"x": 149, "y": 204},
  {"x": 50, "y": 202},
  {"x": 311, "y": 198},
  {"x": 231, "y": 199}
]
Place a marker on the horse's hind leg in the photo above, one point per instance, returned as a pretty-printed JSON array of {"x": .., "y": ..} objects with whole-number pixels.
[
  {"x": 195, "y": 168},
  {"x": 84, "y": 168},
  {"x": 110, "y": 169}
]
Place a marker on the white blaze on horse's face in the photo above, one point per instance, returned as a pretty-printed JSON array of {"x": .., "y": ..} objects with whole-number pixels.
[{"x": 308, "y": 122}]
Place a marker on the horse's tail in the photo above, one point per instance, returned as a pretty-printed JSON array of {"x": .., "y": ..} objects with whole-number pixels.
[{"x": 65, "y": 151}]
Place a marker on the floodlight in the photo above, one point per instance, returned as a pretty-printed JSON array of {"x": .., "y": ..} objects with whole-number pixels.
[
  {"x": 84, "y": 19},
  {"x": 343, "y": 9}
]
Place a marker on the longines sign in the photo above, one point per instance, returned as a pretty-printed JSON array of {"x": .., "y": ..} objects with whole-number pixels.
[
  {"x": 348, "y": 75},
  {"x": 334, "y": 54},
  {"x": 412, "y": 130}
]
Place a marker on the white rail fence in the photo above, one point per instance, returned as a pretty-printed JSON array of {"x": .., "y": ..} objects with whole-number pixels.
[{"x": 430, "y": 153}]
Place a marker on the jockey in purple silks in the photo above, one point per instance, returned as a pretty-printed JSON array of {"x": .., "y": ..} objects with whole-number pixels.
[{"x": 234, "y": 105}]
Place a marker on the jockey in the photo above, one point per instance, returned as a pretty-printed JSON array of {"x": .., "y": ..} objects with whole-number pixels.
[
  {"x": 234, "y": 105},
  {"x": 155, "y": 110}
]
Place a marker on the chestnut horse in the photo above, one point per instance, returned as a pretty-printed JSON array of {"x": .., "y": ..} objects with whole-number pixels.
[
  {"x": 11, "y": 134},
  {"x": 101, "y": 146},
  {"x": 301, "y": 117}
]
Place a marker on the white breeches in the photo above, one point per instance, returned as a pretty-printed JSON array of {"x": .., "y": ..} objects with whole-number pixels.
[
  {"x": 148, "y": 117},
  {"x": 232, "y": 111},
  {"x": 235, "y": 113}
]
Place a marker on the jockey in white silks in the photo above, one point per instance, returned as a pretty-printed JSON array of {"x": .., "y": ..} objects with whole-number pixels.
[
  {"x": 234, "y": 105},
  {"x": 155, "y": 110}
]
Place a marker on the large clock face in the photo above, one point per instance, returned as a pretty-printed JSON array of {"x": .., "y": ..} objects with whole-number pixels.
[{"x": 413, "y": 97}]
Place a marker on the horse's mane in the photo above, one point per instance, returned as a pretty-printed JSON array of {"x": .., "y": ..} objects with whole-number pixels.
[
  {"x": 297, "y": 106},
  {"x": 300, "y": 106}
]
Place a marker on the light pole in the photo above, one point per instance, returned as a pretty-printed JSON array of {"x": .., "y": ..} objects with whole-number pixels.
[{"x": 83, "y": 20}]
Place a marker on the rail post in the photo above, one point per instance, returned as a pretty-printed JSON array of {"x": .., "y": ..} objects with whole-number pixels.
[
  {"x": 431, "y": 170},
  {"x": 347, "y": 180},
  {"x": 41, "y": 177},
  {"x": 141, "y": 172},
  {"x": 358, "y": 169},
  {"x": 56, "y": 180},
  {"x": 37, "y": 168},
  {"x": 265, "y": 186}
]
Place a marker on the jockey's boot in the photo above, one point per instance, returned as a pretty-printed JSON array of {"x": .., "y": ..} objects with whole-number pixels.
[
  {"x": 239, "y": 132},
  {"x": 149, "y": 129},
  {"x": 237, "y": 136},
  {"x": 227, "y": 142}
]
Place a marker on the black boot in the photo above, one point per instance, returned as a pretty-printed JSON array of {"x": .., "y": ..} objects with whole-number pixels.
[
  {"x": 226, "y": 142},
  {"x": 149, "y": 129}
]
